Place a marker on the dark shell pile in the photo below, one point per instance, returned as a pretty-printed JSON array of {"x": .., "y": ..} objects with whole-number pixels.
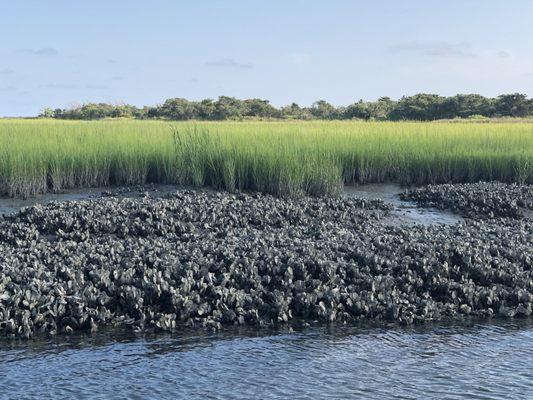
[
  {"x": 206, "y": 259},
  {"x": 483, "y": 199}
]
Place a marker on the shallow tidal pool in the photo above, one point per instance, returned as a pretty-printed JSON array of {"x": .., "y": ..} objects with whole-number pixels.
[
  {"x": 460, "y": 361},
  {"x": 403, "y": 212}
]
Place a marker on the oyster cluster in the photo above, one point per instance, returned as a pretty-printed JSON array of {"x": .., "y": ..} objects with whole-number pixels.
[
  {"x": 483, "y": 199},
  {"x": 206, "y": 259}
]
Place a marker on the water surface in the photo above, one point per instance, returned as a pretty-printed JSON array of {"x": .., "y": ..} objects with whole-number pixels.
[
  {"x": 404, "y": 212},
  {"x": 470, "y": 360}
]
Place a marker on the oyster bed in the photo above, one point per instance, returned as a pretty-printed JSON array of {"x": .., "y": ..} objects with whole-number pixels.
[
  {"x": 206, "y": 259},
  {"x": 483, "y": 199}
]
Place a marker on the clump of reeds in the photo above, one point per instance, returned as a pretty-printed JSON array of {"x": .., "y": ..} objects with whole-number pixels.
[{"x": 284, "y": 158}]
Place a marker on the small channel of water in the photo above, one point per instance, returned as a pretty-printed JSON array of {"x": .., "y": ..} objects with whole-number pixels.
[{"x": 404, "y": 212}]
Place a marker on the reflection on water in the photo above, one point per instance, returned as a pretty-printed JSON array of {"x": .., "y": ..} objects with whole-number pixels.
[
  {"x": 456, "y": 361},
  {"x": 404, "y": 212}
]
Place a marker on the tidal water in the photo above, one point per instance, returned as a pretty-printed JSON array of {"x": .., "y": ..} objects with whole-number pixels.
[
  {"x": 459, "y": 361},
  {"x": 404, "y": 212}
]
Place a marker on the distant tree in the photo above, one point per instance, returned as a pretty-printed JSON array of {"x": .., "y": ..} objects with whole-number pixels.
[
  {"x": 422, "y": 107},
  {"x": 381, "y": 109},
  {"x": 141, "y": 113},
  {"x": 260, "y": 108},
  {"x": 153, "y": 112},
  {"x": 292, "y": 111},
  {"x": 47, "y": 113},
  {"x": 206, "y": 109},
  {"x": 71, "y": 113},
  {"x": 321, "y": 109},
  {"x": 229, "y": 108},
  {"x": 466, "y": 105},
  {"x": 123, "y": 111},
  {"x": 95, "y": 111},
  {"x": 375, "y": 110},
  {"x": 357, "y": 110},
  {"x": 178, "y": 109},
  {"x": 513, "y": 105}
]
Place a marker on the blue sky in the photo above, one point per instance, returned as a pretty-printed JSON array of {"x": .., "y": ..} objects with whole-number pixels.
[{"x": 60, "y": 53}]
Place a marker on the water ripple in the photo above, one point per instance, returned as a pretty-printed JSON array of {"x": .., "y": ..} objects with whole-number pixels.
[{"x": 474, "y": 361}]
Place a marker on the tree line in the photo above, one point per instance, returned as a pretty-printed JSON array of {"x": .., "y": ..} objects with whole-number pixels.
[{"x": 420, "y": 107}]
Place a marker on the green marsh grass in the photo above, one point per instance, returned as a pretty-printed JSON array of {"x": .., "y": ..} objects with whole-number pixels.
[{"x": 279, "y": 157}]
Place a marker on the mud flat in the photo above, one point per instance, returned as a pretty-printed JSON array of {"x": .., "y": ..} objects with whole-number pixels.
[
  {"x": 206, "y": 259},
  {"x": 10, "y": 205}
]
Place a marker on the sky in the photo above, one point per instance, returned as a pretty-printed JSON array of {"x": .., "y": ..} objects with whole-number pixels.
[{"x": 60, "y": 53}]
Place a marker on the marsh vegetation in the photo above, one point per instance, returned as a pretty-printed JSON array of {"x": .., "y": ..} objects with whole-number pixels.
[{"x": 280, "y": 157}]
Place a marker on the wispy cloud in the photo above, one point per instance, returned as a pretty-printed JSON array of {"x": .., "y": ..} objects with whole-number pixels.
[
  {"x": 503, "y": 54},
  {"x": 7, "y": 71},
  {"x": 7, "y": 88},
  {"x": 116, "y": 78},
  {"x": 435, "y": 49},
  {"x": 300, "y": 58},
  {"x": 229, "y": 63},
  {"x": 96, "y": 87},
  {"x": 61, "y": 86},
  {"x": 43, "y": 52}
]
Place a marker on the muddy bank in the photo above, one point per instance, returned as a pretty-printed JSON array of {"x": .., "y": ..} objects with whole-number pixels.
[
  {"x": 403, "y": 212},
  {"x": 207, "y": 259},
  {"x": 10, "y": 205}
]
